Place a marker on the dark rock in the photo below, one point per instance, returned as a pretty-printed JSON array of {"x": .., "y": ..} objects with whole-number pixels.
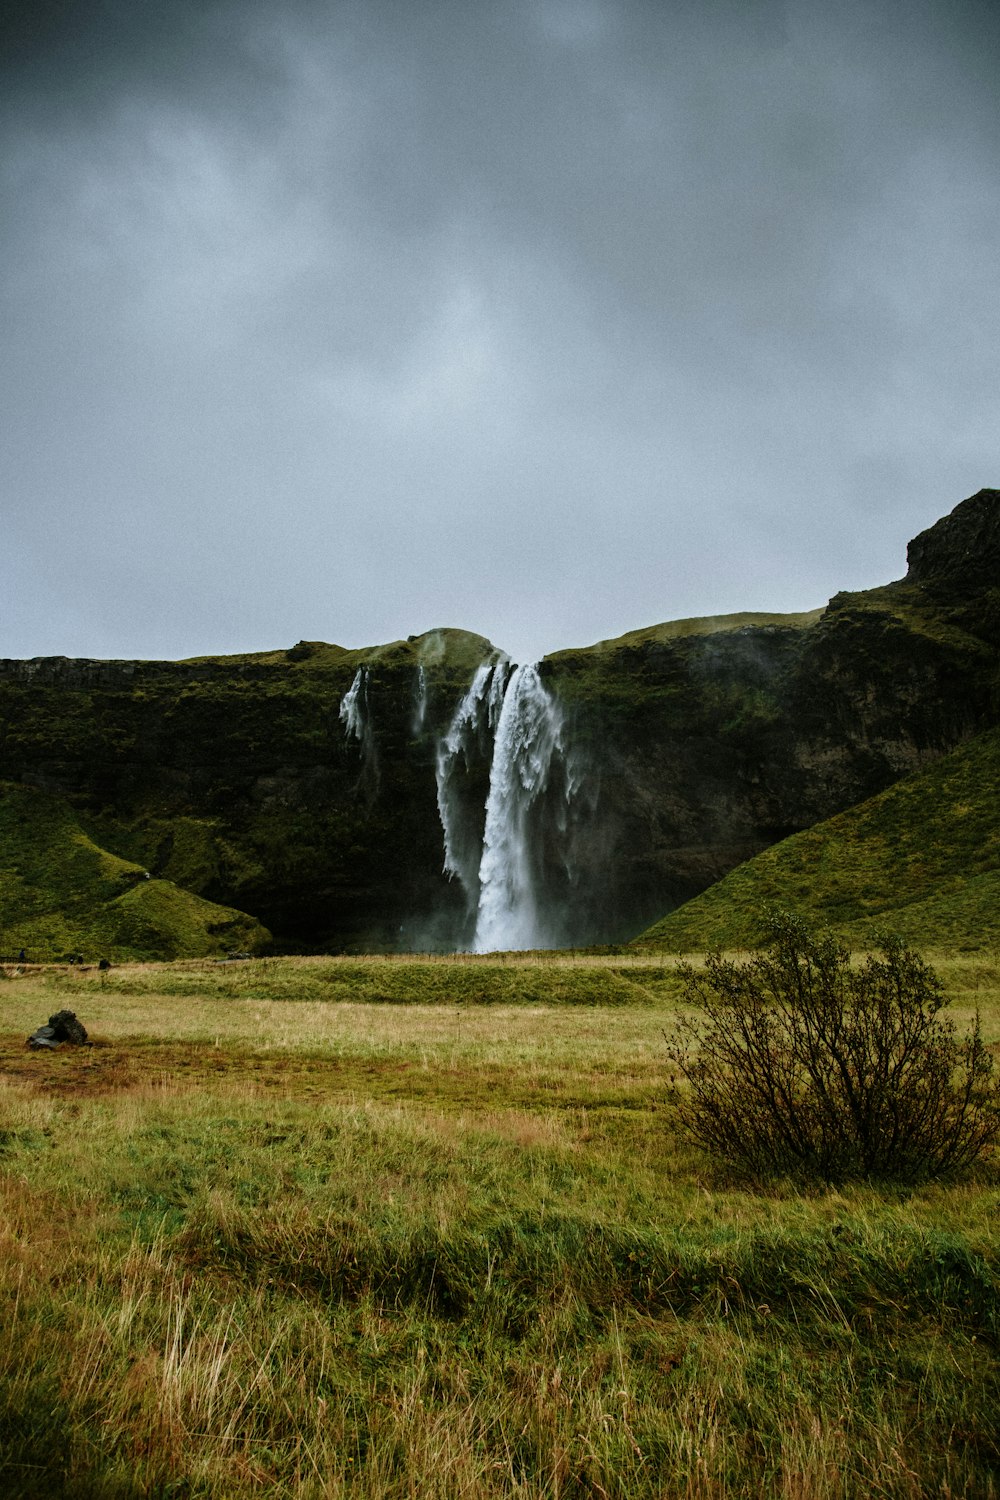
[
  {"x": 958, "y": 555},
  {"x": 697, "y": 746},
  {"x": 301, "y": 651},
  {"x": 44, "y": 1037},
  {"x": 62, "y": 1027},
  {"x": 67, "y": 1028}
]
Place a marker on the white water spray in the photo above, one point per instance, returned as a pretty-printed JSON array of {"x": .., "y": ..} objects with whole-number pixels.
[
  {"x": 355, "y": 715},
  {"x": 529, "y": 741},
  {"x": 477, "y": 713},
  {"x": 352, "y": 704},
  {"x": 419, "y": 721},
  {"x": 502, "y": 852}
]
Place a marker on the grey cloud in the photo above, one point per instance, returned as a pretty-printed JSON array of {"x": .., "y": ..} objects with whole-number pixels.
[{"x": 547, "y": 319}]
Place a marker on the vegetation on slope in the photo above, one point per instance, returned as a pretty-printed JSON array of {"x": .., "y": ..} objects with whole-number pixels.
[
  {"x": 61, "y": 893},
  {"x": 696, "y": 744},
  {"x": 235, "y": 778},
  {"x": 921, "y": 860},
  {"x": 377, "y": 1251},
  {"x": 462, "y": 650},
  {"x": 674, "y": 630}
]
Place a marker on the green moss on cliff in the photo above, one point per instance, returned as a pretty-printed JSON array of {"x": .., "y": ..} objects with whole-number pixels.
[
  {"x": 62, "y": 893},
  {"x": 697, "y": 743},
  {"x": 699, "y": 625},
  {"x": 234, "y": 777},
  {"x": 682, "y": 678},
  {"x": 160, "y": 920},
  {"x": 922, "y": 859},
  {"x": 460, "y": 650}
]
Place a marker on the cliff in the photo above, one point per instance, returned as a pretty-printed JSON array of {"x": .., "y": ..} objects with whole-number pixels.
[
  {"x": 235, "y": 779},
  {"x": 301, "y": 786},
  {"x": 920, "y": 860}
]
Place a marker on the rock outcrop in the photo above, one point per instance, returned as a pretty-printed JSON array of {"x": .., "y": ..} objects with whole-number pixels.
[
  {"x": 712, "y": 741},
  {"x": 956, "y": 558},
  {"x": 697, "y": 744}
]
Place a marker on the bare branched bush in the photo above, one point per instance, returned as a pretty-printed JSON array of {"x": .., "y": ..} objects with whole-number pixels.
[{"x": 798, "y": 1063}]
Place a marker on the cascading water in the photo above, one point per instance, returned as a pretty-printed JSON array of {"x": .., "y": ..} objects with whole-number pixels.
[
  {"x": 477, "y": 715},
  {"x": 419, "y": 722},
  {"x": 508, "y": 720},
  {"x": 528, "y": 745},
  {"x": 352, "y": 706},
  {"x": 355, "y": 715}
]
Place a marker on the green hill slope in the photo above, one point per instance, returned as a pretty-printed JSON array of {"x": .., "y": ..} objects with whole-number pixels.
[
  {"x": 61, "y": 893},
  {"x": 922, "y": 859}
]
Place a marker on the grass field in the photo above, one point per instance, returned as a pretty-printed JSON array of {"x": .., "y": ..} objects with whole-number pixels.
[{"x": 323, "y": 1228}]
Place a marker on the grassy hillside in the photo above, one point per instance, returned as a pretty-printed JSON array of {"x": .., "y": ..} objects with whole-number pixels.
[
  {"x": 62, "y": 893},
  {"x": 921, "y": 859},
  {"x": 463, "y": 650},
  {"x": 675, "y": 630}
]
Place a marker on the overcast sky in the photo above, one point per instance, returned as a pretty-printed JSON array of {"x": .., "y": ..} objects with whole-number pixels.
[{"x": 549, "y": 319}]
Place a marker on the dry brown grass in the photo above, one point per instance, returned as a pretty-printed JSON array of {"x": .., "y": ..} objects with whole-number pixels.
[{"x": 224, "y": 1233}]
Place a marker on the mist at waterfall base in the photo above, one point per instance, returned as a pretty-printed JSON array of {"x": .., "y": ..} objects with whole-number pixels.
[{"x": 512, "y": 797}]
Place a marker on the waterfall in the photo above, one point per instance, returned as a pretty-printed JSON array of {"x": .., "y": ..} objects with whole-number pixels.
[
  {"x": 355, "y": 715},
  {"x": 476, "y": 716},
  {"x": 500, "y": 852},
  {"x": 419, "y": 721},
  {"x": 528, "y": 746},
  {"x": 352, "y": 707}
]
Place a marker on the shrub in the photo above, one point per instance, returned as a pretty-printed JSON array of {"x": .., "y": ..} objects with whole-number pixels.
[{"x": 798, "y": 1063}]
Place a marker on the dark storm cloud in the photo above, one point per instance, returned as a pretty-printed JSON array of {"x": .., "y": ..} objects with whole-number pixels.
[{"x": 548, "y": 319}]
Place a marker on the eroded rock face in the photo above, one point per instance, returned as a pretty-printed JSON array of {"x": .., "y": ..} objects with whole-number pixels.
[
  {"x": 699, "y": 744},
  {"x": 958, "y": 556},
  {"x": 956, "y": 562},
  {"x": 710, "y": 745},
  {"x": 756, "y": 734}
]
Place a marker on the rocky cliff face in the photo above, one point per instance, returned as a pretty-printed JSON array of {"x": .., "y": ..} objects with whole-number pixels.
[
  {"x": 956, "y": 558},
  {"x": 956, "y": 563},
  {"x": 238, "y": 779},
  {"x": 301, "y": 786},
  {"x": 711, "y": 743}
]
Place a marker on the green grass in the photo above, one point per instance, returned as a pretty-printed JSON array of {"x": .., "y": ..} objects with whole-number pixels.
[
  {"x": 271, "y": 1238},
  {"x": 922, "y": 860},
  {"x": 62, "y": 893},
  {"x": 919, "y": 612},
  {"x": 674, "y": 630},
  {"x": 408, "y": 981},
  {"x": 462, "y": 649}
]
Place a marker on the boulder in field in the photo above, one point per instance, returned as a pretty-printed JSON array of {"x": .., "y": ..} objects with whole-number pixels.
[{"x": 62, "y": 1027}]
